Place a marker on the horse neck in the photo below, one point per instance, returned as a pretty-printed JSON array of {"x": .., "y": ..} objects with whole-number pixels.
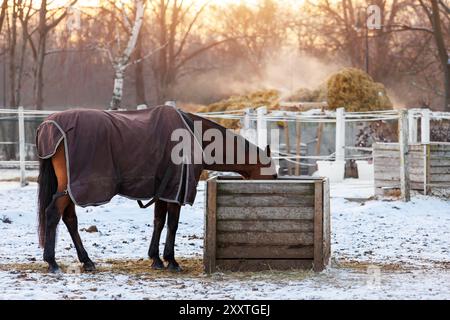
[{"x": 242, "y": 169}]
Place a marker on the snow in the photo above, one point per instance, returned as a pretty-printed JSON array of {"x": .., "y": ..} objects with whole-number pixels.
[{"x": 380, "y": 250}]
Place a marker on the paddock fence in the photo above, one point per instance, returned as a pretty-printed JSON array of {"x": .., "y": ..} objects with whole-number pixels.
[{"x": 336, "y": 144}]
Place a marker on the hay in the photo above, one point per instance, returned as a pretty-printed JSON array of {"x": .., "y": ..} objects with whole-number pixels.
[
  {"x": 308, "y": 95},
  {"x": 355, "y": 90},
  {"x": 350, "y": 88},
  {"x": 191, "y": 267},
  {"x": 267, "y": 98}
]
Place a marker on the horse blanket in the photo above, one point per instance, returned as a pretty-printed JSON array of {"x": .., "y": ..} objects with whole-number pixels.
[{"x": 125, "y": 153}]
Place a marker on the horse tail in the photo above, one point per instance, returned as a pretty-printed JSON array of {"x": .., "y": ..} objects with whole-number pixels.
[{"x": 47, "y": 186}]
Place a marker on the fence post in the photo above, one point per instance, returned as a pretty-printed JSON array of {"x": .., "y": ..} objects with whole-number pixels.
[
  {"x": 403, "y": 131},
  {"x": 412, "y": 122},
  {"x": 261, "y": 127},
  {"x": 340, "y": 134},
  {"x": 425, "y": 126},
  {"x": 23, "y": 178},
  {"x": 425, "y": 140},
  {"x": 249, "y": 132}
]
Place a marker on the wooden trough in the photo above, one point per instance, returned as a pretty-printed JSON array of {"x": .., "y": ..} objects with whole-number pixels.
[
  {"x": 263, "y": 225},
  {"x": 429, "y": 168}
]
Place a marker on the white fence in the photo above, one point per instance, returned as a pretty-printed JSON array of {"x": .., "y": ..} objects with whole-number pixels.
[{"x": 255, "y": 127}]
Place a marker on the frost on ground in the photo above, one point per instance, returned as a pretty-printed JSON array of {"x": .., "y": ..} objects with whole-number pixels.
[{"x": 380, "y": 250}]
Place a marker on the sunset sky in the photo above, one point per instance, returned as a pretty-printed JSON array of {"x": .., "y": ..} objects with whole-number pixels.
[{"x": 59, "y": 3}]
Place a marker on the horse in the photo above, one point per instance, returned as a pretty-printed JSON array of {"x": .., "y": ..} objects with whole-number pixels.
[{"x": 56, "y": 202}]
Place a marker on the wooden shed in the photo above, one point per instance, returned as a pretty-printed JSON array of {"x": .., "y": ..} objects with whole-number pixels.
[
  {"x": 429, "y": 167},
  {"x": 272, "y": 224}
]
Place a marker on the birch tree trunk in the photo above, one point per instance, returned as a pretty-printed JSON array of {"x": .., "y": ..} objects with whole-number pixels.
[
  {"x": 139, "y": 74},
  {"x": 122, "y": 62},
  {"x": 12, "y": 55},
  {"x": 118, "y": 88},
  {"x": 38, "y": 85}
]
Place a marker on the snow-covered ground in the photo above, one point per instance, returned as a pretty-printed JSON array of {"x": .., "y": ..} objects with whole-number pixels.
[{"x": 380, "y": 250}]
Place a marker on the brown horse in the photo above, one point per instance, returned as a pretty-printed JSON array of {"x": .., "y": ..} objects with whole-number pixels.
[{"x": 55, "y": 202}]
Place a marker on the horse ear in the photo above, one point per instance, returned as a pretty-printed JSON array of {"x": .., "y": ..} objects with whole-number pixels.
[{"x": 268, "y": 152}]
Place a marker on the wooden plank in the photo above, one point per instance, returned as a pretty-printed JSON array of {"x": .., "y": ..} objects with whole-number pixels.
[
  {"x": 265, "y": 188},
  {"x": 396, "y": 177},
  {"x": 380, "y": 147},
  {"x": 265, "y": 252},
  {"x": 396, "y": 184},
  {"x": 264, "y": 200},
  {"x": 380, "y": 176},
  {"x": 440, "y": 163},
  {"x": 440, "y": 170},
  {"x": 395, "y": 155},
  {"x": 395, "y": 172},
  {"x": 263, "y": 264},
  {"x": 445, "y": 147},
  {"x": 395, "y": 146},
  {"x": 326, "y": 223},
  {"x": 439, "y": 178},
  {"x": 318, "y": 227},
  {"x": 264, "y": 213},
  {"x": 440, "y": 154},
  {"x": 262, "y": 238},
  {"x": 265, "y": 226},
  {"x": 209, "y": 246}
]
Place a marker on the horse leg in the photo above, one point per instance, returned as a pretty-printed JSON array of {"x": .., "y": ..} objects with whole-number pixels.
[
  {"x": 56, "y": 208},
  {"x": 71, "y": 221},
  {"x": 53, "y": 215},
  {"x": 158, "y": 226},
  {"x": 172, "y": 226}
]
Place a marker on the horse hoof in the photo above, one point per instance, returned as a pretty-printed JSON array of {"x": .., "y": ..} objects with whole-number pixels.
[
  {"x": 89, "y": 266},
  {"x": 157, "y": 264},
  {"x": 54, "y": 268},
  {"x": 174, "y": 267}
]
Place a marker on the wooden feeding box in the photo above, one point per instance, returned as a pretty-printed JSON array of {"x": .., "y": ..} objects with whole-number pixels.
[{"x": 256, "y": 225}]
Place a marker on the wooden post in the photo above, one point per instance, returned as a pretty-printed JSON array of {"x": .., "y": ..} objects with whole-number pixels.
[
  {"x": 209, "y": 245},
  {"x": 249, "y": 132},
  {"x": 425, "y": 126},
  {"x": 287, "y": 141},
  {"x": 427, "y": 168},
  {"x": 318, "y": 226},
  {"x": 298, "y": 140},
  {"x": 340, "y": 134},
  {"x": 412, "y": 123},
  {"x": 23, "y": 178},
  {"x": 261, "y": 127},
  {"x": 404, "y": 156},
  {"x": 425, "y": 140}
]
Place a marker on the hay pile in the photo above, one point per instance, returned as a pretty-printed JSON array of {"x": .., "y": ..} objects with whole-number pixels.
[
  {"x": 355, "y": 90},
  {"x": 268, "y": 98},
  {"x": 350, "y": 88},
  {"x": 308, "y": 95}
]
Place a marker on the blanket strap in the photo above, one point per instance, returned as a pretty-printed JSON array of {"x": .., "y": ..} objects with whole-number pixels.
[{"x": 162, "y": 186}]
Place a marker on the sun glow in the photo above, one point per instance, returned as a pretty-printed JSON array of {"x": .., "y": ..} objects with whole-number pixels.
[{"x": 96, "y": 3}]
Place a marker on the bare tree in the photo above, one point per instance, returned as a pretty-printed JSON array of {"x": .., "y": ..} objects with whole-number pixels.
[
  {"x": 176, "y": 22},
  {"x": 3, "y": 11},
  {"x": 439, "y": 31},
  {"x": 119, "y": 55},
  {"x": 259, "y": 32},
  {"x": 47, "y": 21},
  {"x": 435, "y": 19}
]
